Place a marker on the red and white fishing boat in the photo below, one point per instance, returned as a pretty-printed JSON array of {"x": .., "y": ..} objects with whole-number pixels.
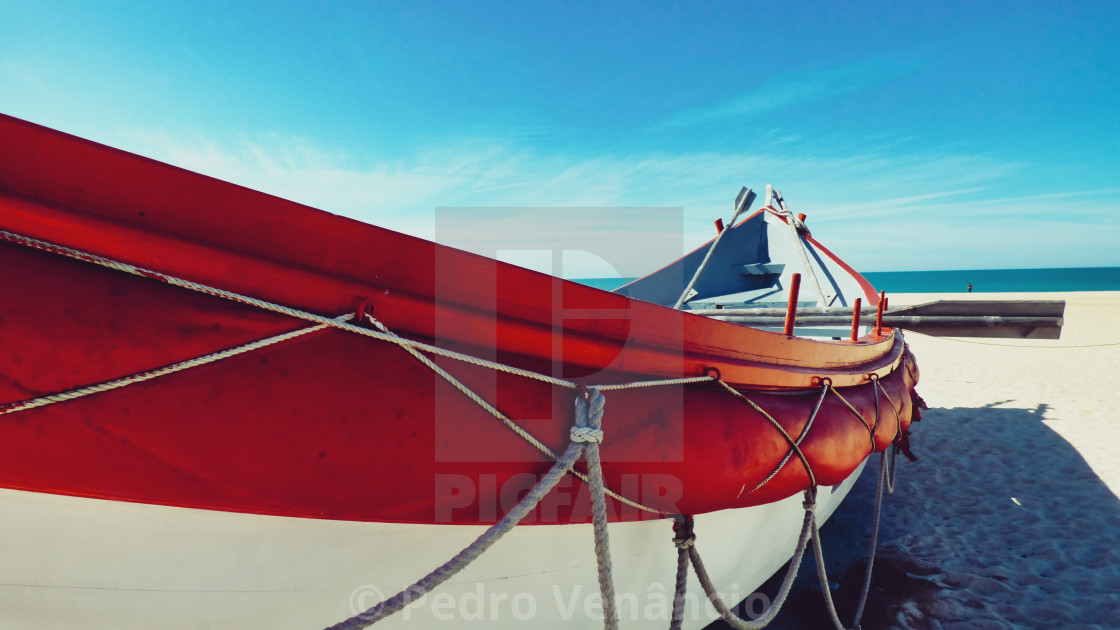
[{"x": 219, "y": 408}]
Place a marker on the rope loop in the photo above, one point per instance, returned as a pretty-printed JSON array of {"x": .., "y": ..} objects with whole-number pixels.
[{"x": 589, "y": 414}]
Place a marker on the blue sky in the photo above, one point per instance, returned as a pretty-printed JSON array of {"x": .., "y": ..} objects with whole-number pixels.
[{"x": 915, "y": 135}]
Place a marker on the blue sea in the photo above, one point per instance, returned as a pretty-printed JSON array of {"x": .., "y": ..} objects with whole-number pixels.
[{"x": 957, "y": 281}]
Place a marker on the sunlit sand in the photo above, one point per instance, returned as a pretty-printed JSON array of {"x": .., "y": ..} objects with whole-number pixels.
[{"x": 1010, "y": 517}]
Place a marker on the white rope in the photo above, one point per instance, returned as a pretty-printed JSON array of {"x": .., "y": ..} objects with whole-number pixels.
[
  {"x": 742, "y": 202},
  {"x": 897, "y": 431},
  {"x": 457, "y": 384},
  {"x": 589, "y": 419},
  {"x": 777, "y": 425},
  {"x": 717, "y": 602},
  {"x": 509, "y": 423},
  {"x": 670, "y": 381},
  {"x": 469, "y": 554},
  {"x": 271, "y": 306},
  {"x": 588, "y": 415},
  {"x": 685, "y": 539},
  {"x": 383, "y": 334},
  {"x": 585, "y": 438},
  {"x": 800, "y": 438},
  {"x": 874, "y": 538},
  {"x": 319, "y": 319},
  {"x": 156, "y": 373},
  {"x": 585, "y": 434},
  {"x": 819, "y": 554}
]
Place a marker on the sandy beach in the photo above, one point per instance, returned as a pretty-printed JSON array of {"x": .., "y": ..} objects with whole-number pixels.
[{"x": 1010, "y": 518}]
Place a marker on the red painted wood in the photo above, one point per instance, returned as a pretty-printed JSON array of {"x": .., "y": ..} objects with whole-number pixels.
[
  {"x": 879, "y": 314},
  {"x": 791, "y": 308},
  {"x": 855, "y": 318},
  {"x": 334, "y": 425}
]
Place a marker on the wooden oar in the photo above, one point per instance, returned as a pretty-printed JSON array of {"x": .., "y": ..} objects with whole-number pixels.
[{"x": 1010, "y": 319}]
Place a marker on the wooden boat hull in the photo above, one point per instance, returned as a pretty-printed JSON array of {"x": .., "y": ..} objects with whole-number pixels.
[
  {"x": 331, "y": 426},
  {"x": 75, "y": 562},
  {"x": 350, "y": 439},
  {"x": 336, "y": 426}
]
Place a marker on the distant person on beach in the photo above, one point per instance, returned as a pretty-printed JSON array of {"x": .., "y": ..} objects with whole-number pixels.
[{"x": 970, "y": 287}]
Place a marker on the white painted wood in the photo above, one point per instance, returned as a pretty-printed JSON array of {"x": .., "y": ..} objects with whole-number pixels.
[
  {"x": 762, "y": 269},
  {"x": 742, "y": 203},
  {"x": 823, "y": 299},
  {"x": 68, "y": 562}
]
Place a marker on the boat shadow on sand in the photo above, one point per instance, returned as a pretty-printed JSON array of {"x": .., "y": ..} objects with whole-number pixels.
[{"x": 999, "y": 524}]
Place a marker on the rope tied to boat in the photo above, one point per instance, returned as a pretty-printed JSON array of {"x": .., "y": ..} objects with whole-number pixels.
[
  {"x": 825, "y": 384},
  {"x": 870, "y": 428},
  {"x": 795, "y": 446},
  {"x": 588, "y": 420},
  {"x": 691, "y": 554},
  {"x": 140, "y": 377},
  {"x": 381, "y": 333},
  {"x": 585, "y": 437},
  {"x": 684, "y": 538},
  {"x": 683, "y": 534},
  {"x": 822, "y": 573},
  {"x": 897, "y": 431},
  {"x": 809, "y": 531},
  {"x": 588, "y": 415},
  {"x": 585, "y": 434}
]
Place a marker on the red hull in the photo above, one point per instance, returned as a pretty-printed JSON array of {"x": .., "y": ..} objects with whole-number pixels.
[{"x": 334, "y": 425}]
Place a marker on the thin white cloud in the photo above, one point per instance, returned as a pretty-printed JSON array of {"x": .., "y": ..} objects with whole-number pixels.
[
  {"x": 22, "y": 73},
  {"x": 916, "y": 244},
  {"x": 798, "y": 89},
  {"x": 912, "y": 209},
  {"x": 1074, "y": 206}
]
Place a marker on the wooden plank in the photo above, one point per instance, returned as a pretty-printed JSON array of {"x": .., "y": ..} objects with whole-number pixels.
[
  {"x": 762, "y": 269},
  {"x": 1009, "y": 308},
  {"x": 804, "y": 310},
  {"x": 902, "y": 321},
  {"x": 992, "y": 332},
  {"x": 937, "y": 325},
  {"x": 960, "y": 308}
]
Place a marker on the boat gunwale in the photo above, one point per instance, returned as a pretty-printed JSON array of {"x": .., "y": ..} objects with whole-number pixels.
[{"x": 52, "y": 191}]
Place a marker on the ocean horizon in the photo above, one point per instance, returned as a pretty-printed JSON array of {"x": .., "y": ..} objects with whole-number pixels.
[{"x": 957, "y": 280}]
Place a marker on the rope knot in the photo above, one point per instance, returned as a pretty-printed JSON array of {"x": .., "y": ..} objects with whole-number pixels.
[
  {"x": 683, "y": 536},
  {"x": 810, "y": 502},
  {"x": 586, "y": 434}
]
